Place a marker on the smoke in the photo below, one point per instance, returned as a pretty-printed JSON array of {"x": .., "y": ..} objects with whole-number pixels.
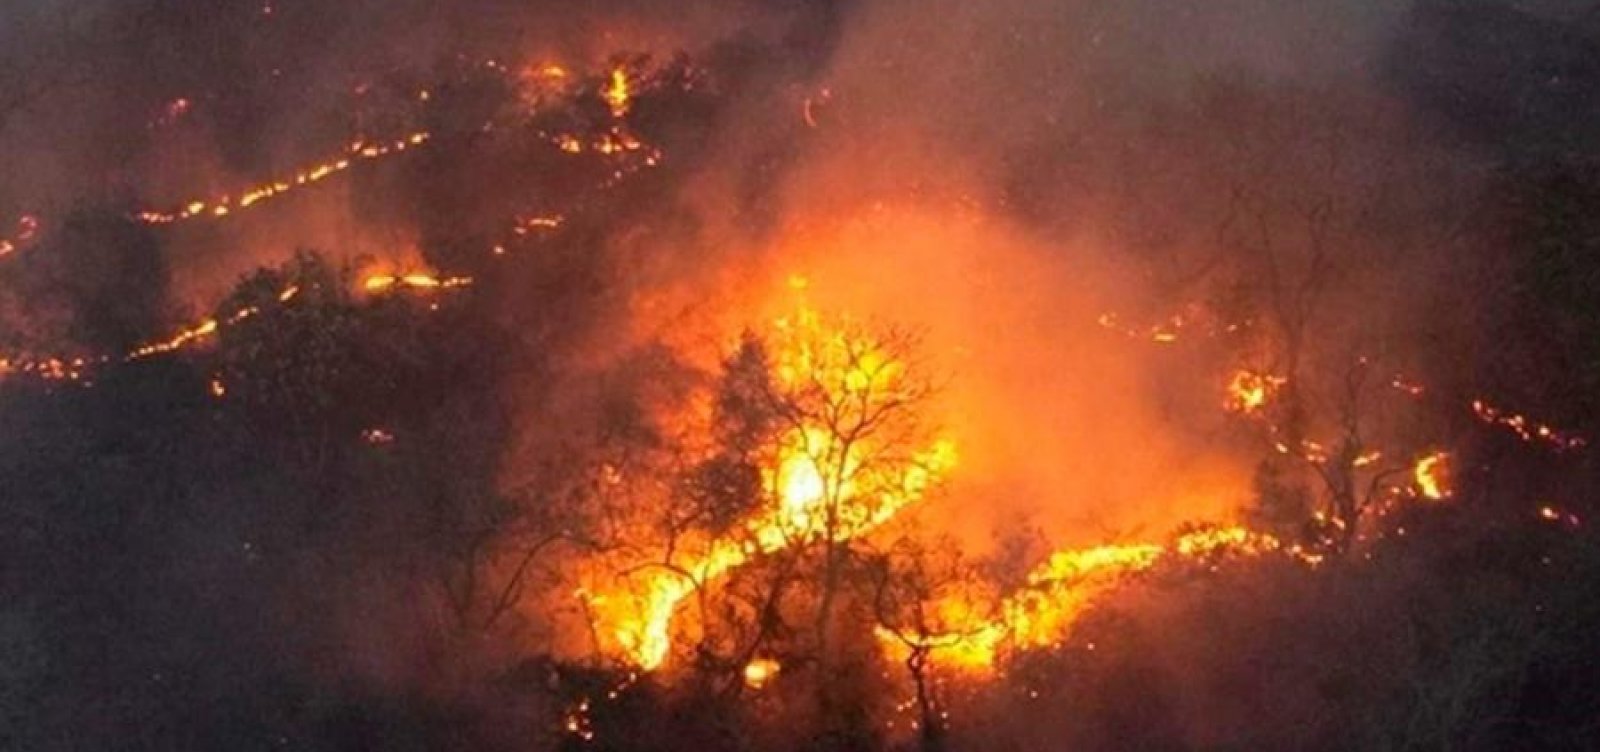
[{"x": 1003, "y": 177}]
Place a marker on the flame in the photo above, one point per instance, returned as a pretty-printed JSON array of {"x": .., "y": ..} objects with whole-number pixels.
[
  {"x": 356, "y": 151},
  {"x": 377, "y": 283},
  {"x": 1431, "y": 475},
  {"x": 1041, "y": 614},
  {"x": 617, "y": 92},
  {"x": 815, "y": 489},
  {"x": 1249, "y": 391},
  {"x": 758, "y": 672},
  {"x": 1525, "y": 428}
]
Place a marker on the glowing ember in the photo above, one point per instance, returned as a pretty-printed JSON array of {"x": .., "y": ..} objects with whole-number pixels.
[
  {"x": 1403, "y": 384},
  {"x": 577, "y": 721},
  {"x": 27, "y": 230},
  {"x": 377, "y": 436},
  {"x": 1525, "y": 428},
  {"x": 1551, "y": 513}
]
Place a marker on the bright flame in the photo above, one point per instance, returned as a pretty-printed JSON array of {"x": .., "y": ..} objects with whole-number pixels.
[
  {"x": 414, "y": 281},
  {"x": 1431, "y": 475},
  {"x": 1042, "y": 613},
  {"x": 759, "y": 672},
  {"x": 816, "y": 488}
]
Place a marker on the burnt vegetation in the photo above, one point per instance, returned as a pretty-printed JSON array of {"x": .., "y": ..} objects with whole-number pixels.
[{"x": 485, "y": 493}]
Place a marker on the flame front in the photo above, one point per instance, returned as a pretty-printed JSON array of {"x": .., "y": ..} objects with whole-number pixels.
[{"x": 1042, "y": 612}]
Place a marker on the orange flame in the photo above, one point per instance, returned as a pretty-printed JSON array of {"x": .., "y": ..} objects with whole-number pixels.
[{"x": 814, "y": 488}]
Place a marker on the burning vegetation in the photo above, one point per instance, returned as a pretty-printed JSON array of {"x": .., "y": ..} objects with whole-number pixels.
[{"x": 820, "y": 379}]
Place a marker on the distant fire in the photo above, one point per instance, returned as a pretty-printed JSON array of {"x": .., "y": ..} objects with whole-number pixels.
[
  {"x": 618, "y": 92},
  {"x": 222, "y": 206}
]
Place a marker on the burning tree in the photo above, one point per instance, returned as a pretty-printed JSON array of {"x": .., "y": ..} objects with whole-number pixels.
[
  {"x": 1321, "y": 215},
  {"x": 818, "y": 438},
  {"x": 927, "y": 598}
]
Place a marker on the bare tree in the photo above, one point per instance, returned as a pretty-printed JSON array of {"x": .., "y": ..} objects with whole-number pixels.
[{"x": 927, "y": 597}]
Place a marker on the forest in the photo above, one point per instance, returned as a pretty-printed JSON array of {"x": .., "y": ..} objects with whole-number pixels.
[{"x": 799, "y": 375}]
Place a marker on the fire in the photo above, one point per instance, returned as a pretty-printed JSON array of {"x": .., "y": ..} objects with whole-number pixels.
[
  {"x": 1551, "y": 513},
  {"x": 817, "y": 488},
  {"x": 183, "y": 338},
  {"x": 1525, "y": 428},
  {"x": 1431, "y": 475},
  {"x": 27, "y": 229},
  {"x": 1408, "y": 386},
  {"x": 1249, "y": 391},
  {"x": 172, "y": 112},
  {"x": 1042, "y": 613},
  {"x": 355, "y": 152},
  {"x": 413, "y": 281},
  {"x": 617, "y": 92},
  {"x": 758, "y": 672}
]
